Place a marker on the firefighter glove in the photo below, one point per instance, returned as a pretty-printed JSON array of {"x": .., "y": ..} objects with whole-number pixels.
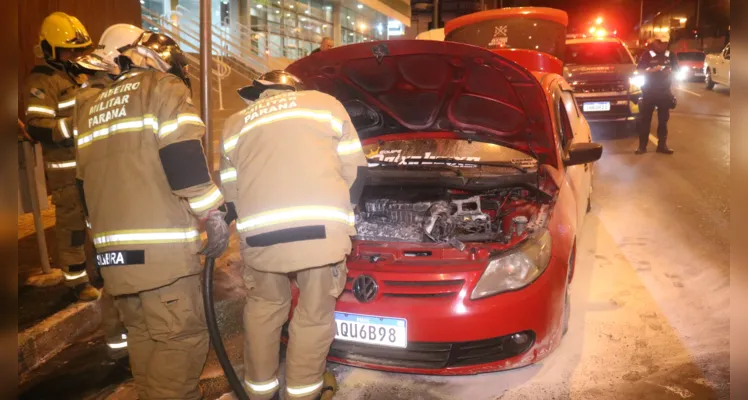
[{"x": 218, "y": 234}]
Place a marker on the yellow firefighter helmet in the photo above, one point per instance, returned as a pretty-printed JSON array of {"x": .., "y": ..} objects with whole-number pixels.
[{"x": 62, "y": 31}]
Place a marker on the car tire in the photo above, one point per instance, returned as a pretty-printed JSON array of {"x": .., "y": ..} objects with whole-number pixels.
[
  {"x": 567, "y": 312},
  {"x": 709, "y": 83},
  {"x": 567, "y": 297}
]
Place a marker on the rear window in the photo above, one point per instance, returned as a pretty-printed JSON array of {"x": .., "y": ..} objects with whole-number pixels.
[
  {"x": 691, "y": 56},
  {"x": 513, "y": 33},
  {"x": 596, "y": 54}
]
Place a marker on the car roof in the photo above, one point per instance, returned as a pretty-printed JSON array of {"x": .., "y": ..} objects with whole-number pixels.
[{"x": 594, "y": 40}]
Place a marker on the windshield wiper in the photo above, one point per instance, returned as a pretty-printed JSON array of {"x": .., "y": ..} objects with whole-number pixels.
[
  {"x": 411, "y": 162},
  {"x": 456, "y": 171}
]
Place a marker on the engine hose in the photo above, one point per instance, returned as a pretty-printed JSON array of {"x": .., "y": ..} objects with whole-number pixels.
[{"x": 215, "y": 334}]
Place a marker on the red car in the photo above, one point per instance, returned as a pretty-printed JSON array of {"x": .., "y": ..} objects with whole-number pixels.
[
  {"x": 479, "y": 175},
  {"x": 691, "y": 65}
]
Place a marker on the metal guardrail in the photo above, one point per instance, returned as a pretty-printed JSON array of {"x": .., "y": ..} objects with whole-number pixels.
[
  {"x": 187, "y": 37},
  {"x": 238, "y": 43}
]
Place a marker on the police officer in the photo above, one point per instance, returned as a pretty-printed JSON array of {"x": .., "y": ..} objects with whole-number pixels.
[
  {"x": 657, "y": 66},
  {"x": 145, "y": 180},
  {"x": 50, "y": 96},
  {"x": 101, "y": 67},
  {"x": 290, "y": 160}
]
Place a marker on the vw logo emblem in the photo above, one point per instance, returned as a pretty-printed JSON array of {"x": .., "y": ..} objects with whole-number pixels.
[{"x": 365, "y": 288}]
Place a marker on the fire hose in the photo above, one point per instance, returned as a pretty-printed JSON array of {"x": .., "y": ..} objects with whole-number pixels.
[{"x": 215, "y": 333}]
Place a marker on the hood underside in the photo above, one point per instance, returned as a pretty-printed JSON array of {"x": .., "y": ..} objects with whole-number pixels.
[{"x": 417, "y": 86}]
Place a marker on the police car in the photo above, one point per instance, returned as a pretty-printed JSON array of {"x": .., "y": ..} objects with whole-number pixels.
[{"x": 602, "y": 73}]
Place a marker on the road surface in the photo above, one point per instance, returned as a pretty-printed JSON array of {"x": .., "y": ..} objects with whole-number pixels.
[{"x": 650, "y": 297}]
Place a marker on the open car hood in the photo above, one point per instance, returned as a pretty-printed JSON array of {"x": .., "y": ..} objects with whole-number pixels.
[{"x": 421, "y": 86}]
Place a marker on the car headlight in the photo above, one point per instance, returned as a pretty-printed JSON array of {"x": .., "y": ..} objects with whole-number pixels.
[
  {"x": 515, "y": 269},
  {"x": 682, "y": 72},
  {"x": 637, "y": 81}
]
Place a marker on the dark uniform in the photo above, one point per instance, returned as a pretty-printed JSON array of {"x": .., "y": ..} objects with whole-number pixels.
[{"x": 658, "y": 69}]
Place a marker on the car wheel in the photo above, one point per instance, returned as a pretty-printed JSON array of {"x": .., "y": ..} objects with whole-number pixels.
[
  {"x": 567, "y": 312},
  {"x": 567, "y": 299},
  {"x": 709, "y": 82}
]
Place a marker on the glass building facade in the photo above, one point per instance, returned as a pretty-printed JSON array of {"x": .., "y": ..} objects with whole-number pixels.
[{"x": 291, "y": 29}]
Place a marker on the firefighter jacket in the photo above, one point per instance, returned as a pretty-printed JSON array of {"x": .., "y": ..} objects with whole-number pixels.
[
  {"x": 49, "y": 99},
  {"x": 288, "y": 163},
  {"x": 658, "y": 82},
  {"x": 145, "y": 180}
]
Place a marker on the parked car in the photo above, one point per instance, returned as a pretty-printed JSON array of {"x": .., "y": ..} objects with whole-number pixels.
[
  {"x": 717, "y": 68},
  {"x": 433, "y": 34},
  {"x": 479, "y": 181},
  {"x": 691, "y": 65},
  {"x": 603, "y": 75}
]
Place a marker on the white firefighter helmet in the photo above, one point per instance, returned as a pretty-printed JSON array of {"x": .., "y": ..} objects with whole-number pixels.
[{"x": 113, "y": 40}]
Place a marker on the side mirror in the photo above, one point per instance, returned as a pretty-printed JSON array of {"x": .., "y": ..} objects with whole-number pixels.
[{"x": 583, "y": 153}]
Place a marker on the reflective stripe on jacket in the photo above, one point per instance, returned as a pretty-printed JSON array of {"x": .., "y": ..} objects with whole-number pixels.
[
  {"x": 49, "y": 95},
  {"x": 288, "y": 163},
  {"x": 145, "y": 179}
]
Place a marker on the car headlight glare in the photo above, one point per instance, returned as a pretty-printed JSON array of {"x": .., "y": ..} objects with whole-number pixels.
[
  {"x": 517, "y": 268},
  {"x": 637, "y": 81}
]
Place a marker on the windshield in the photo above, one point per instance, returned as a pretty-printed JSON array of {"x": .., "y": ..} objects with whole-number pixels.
[
  {"x": 691, "y": 56},
  {"x": 596, "y": 54}
]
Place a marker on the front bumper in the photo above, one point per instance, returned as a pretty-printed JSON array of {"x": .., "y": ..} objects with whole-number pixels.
[
  {"x": 691, "y": 74},
  {"x": 623, "y": 106},
  {"x": 449, "y": 334}
]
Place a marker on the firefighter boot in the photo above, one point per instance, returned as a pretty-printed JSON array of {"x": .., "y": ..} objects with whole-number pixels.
[
  {"x": 86, "y": 292},
  {"x": 329, "y": 386}
]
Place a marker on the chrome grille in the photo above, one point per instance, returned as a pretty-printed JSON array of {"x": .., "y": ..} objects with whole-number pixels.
[{"x": 600, "y": 87}]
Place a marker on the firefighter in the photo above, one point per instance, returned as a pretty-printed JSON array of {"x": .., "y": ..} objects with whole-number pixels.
[
  {"x": 49, "y": 97},
  {"x": 290, "y": 160},
  {"x": 101, "y": 67},
  {"x": 657, "y": 65},
  {"x": 147, "y": 189}
]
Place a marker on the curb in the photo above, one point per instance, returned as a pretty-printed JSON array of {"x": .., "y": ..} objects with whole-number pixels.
[{"x": 41, "y": 342}]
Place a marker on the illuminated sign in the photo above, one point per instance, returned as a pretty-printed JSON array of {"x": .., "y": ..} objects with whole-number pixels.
[{"x": 395, "y": 28}]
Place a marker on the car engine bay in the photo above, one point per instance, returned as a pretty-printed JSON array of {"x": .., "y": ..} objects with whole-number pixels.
[{"x": 440, "y": 215}]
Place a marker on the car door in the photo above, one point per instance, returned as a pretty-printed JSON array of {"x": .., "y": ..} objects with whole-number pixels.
[
  {"x": 573, "y": 128},
  {"x": 726, "y": 66},
  {"x": 721, "y": 69}
]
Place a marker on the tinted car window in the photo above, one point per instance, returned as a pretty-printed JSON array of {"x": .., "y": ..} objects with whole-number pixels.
[
  {"x": 518, "y": 33},
  {"x": 691, "y": 56},
  {"x": 596, "y": 53}
]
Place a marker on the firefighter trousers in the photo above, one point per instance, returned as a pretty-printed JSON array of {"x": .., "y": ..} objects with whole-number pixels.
[
  {"x": 167, "y": 339},
  {"x": 111, "y": 323},
  {"x": 311, "y": 330},
  {"x": 70, "y": 231}
]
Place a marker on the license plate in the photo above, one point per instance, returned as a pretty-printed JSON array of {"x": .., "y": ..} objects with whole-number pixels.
[
  {"x": 369, "y": 329},
  {"x": 597, "y": 106},
  {"x": 698, "y": 74}
]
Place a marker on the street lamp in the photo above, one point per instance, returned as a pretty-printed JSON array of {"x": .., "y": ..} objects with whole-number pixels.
[{"x": 599, "y": 20}]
